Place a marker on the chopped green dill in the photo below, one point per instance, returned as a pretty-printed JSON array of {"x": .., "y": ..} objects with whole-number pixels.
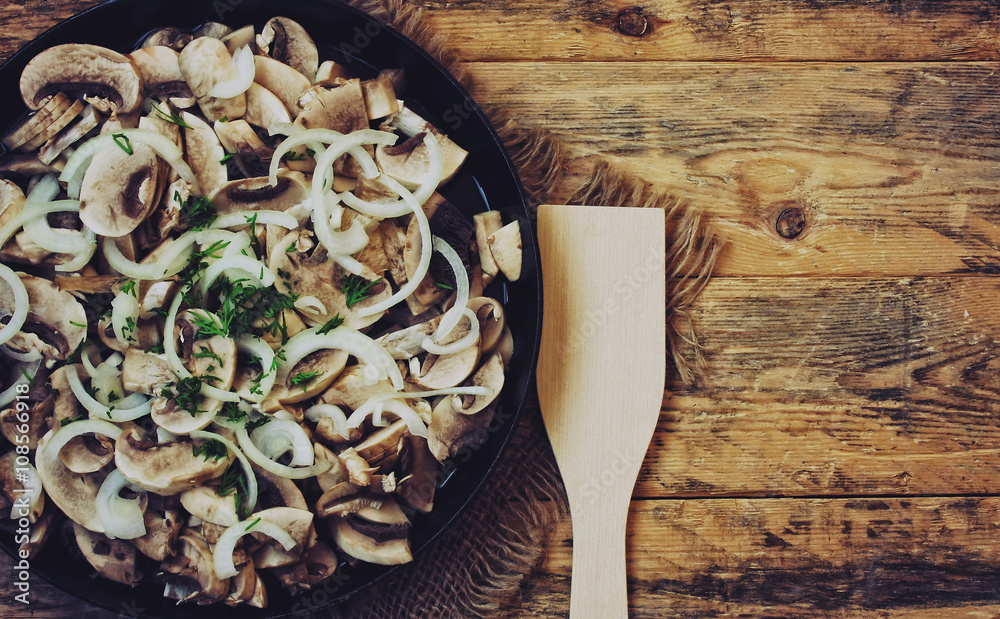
[
  {"x": 253, "y": 424},
  {"x": 279, "y": 356},
  {"x": 231, "y": 412},
  {"x": 197, "y": 212},
  {"x": 27, "y": 377},
  {"x": 76, "y": 324},
  {"x": 123, "y": 142},
  {"x": 174, "y": 119},
  {"x": 224, "y": 119},
  {"x": 128, "y": 287},
  {"x": 444, "y": 286},
  {"x": 303, "y": 378},
  {"x": 253, "y": 524},
  {"x": 213, "y": 448},
  {"x": 226, "y": 158},
  {"x": 358, "y": 289},
  {"x": 233, "y": 482},
  {"x": 293, "y": 156},
  {"x": 252, "y": 220},
  {"x": 188, "y": 395},
  {"x": 157, "y": 349},
  {"x": 330, "y": 325},
  {"x": 291, "y": 247},
  {"x": 112, "y": 396},
  {"x": 69, "y": 420},
  {"x": 206, "y": 353}
]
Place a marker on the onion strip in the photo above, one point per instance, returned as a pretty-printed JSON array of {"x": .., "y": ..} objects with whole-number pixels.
[
  {"x": 19, "y": 313},
  {"x": 98, "y": 410},
  {"x": 121, "y": 518},
  {"x": 258, "y": 347},
  {"x": 68, "y": 432},
  {"x": 245, "y": 69},
  {"x": 222, "y": 555},
  {"x": 367, "y": 350},
  {"x": 467, "y": 340},
  {"x": 277, "y": 436},
  {"x": 414, "y": 423},
  {"x": 260, "y": 218},
  {"x": 260, "y": 459}
]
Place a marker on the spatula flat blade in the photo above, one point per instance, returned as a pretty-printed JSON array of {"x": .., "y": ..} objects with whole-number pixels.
[{"x": 600, "y": 377}]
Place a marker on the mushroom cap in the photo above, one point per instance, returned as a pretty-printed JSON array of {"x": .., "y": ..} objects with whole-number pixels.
[
  {"x": 341, "y": 109},
  {"x": 204, "y": 63},
  {"x": 418, "y": 473},
  {"x": 85, "y": 69},
  {"x": 73, "y": 493},
  {"x": 204, "y": 153},
  {"x": 115, "y": 559},
  {"x": 264, "y": 108},
  {"x": 194, "y": 566},
  {"x": 252, "y": 194},
  {"x": 328, "y": 364},
  {"x": 12, "y": 488},
  {"x": 352, "y": 389},
  {"x": 360, "y": 546},
  {"x": 318, "y": 563},
  {"x": 171, "y": 37},
  {"x": 444, "y": 371},
  {"x": 490, "y": 375},
  {"x": 119, "y": 189},
  {"x": 53, "y": 326},
  {"x": 252, "y": 156},
  {"x": 205, "y": 503},
  {"x": 160, "y": 69},
  {"x": 409, "y": 162},
  {"x": 39, "y": 415},
  {"x": 164, "y": 468},
  {"x": 287, "y": 41},
  {"x": 163, "y": 520},
  {"x": 281, "y": 79},
  {"x": 298, "y": 523},
  {"x": 450, "y": 432}
]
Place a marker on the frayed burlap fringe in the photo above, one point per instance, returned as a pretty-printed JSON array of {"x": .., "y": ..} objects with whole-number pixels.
[{"x": 482, "y": 559}]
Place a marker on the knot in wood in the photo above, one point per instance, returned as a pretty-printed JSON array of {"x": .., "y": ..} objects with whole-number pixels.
[
  {"x": 791, "y": 222},
  {"x": 632, "y": 22}
]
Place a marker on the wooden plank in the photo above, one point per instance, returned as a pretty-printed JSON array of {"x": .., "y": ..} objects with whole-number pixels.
[
  {"x": 23, "y": 20},
  {"x": 795, "y": 558},
  {"x": 738, "y": 30},
  {"x": 818, "y": 386},
  {"x": 893, "y": 167}
]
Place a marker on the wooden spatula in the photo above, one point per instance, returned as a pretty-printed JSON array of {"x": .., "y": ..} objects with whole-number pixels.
[{"x": 601, "y": 377}]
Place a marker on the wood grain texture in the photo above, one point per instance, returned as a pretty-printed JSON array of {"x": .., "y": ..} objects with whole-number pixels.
[
  {"x": 796, "y": 558},
  {"x": 893, "y": 166},
  {"x": 859, "y": 30}
]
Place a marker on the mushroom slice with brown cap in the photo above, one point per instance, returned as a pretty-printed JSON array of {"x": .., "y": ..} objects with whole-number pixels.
[
  {"x": 318, "y": 563},
  {"x": 145, "y": 372},
  {"x": 84, "y": 69},
  {"x": 281, "y": 79},
  {"x": 114, "y": 559},
  {"x": 41, "y": 530},
  {"x": 241, "y": 37},
  {"x": 330, "y": 74},
  {"x": 204, "y": 153},
  {"x": 73, "y": 493},
  {"x": 56, "y": 323},
  {"x": 379, "y": 536},
  {"x": 253, "y": 194},
  {"x": 243, "y": 585},
  {"x": 444, "y": 371},
  {"x": 16, "y": 493},
  {"x": 119, "y": 189},
  {"x": 205, "y": 63},
  {"x": 341, "y": 109},
  {"x": 165, "y": 468},
  {"x": 163, "y": 519},
  {"x": 380, "y": 97},
  {"x": 11, "y": 201},
  {"x": 27, "y": 424},
  {"x": 297, "y": 522},
  {"x": 36, "y": 123},
  {"x": 287, "y": 41},
  {"x": 86, "y": 122},
  {"x": 486, "y": 224},
  {"x": 277, "y": 491},
  {"x": 264, "y": 108},
  {"x": 171, "y": 37},
  {"x": 252, "y": 156},
  {"x": 407, "y": 343},
  {"x": 380, "y": 449},
  {"x": 57, "y": 124},
  {"x": 418, "y": 471},
  {"x": 490, "y": 375},
  {"x": 344, "y": 499},
  {"x": 310, "y": 377},
  {"x": 352, "y": 388},
  {"x": 205, "y": 503},
  {"x": 505, "y": 245},
  {"x": 409, "y": 161},
  {"x": 192, "y": 570},
  {"x": 491, "y": 321},
  {"x": 451, "y": 432},
  {"x": 161, "y": 74}
]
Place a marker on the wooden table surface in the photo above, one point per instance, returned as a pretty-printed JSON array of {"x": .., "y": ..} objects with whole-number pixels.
[{"x": 841, "y": 455}]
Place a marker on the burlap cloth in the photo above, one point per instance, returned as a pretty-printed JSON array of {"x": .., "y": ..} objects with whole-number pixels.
[{"x": 479, "y": 563}]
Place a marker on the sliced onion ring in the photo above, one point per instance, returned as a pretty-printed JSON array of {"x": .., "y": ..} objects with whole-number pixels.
[
  {"x": 122, "y": 518},
  {"x": 414, "y": 423},
  {"x": 246, "y": 70},
  {"x": 68, "y": 432},
  {"x": 469, "y": 339},
  {"x": 258, "y": 347},
  {"x": 260, "y": 459},
  {"x": 222, "y": 556},
  {"x": 20, "y": 309},
  {"x": 277, "y": 436},
  {"x": 251, "y": 478},
  {"x": 344, "y": 338},
  {"x": 98, "y": 410}
]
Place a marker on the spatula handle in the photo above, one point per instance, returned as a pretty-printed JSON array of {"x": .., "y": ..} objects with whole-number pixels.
[{"x": 599, "y": 585}]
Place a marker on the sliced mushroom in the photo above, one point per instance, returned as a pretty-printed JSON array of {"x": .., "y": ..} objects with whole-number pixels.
[
  {"x": 418, "y": 473},
  {"x": 321, "y": 367},
  {"x": 73, "y": 493},
  {"x": 341, "y": 109},
  {"x": 412, "y": 125},
  {"x": 316, "y": 275},
  {"x": 352, "y": 388},
  {"x": 330, "y": 74},
  {"x": 163, "y": 519},
  {"x": 490, "y": 375},
  {"x": 408, "y": 342},
  {"x": 205, "y": 63},
  {"x": 444, "y": 371},
  {"x": 359, "y": 472},
  {"x": 205, "y": 153},
  {"x": 37, "y": 122},
  {"x": 205, "y": 503},
  {"x": 486, "y": 224},
  {"x": 57, "y": 124},
  {"x": 243, "y": 585},
  {"x": 164, "y": 468},
  {"x": 11, "y": 201},
  {"x": 505, "y": 245},
  {"x": 337, "y": 473},
  {"x": 298, "y": 523},
  {"x": 344, "y": 499},
  {"x": 171, "y": 37},
  {"x": 380, "y": 449},
  {"x": 87, "y": 454},
  {"x": 281, "y": 79},
  {"x": 114, "y": 559},
  {"x": 287, "y": 41},
  {"x": 83, "y": 69},
  {"x": 276, "y": 491},
  {"x": 56, "y": 323},
  {"x": 192, "y": 571},
  {"x": 252, "y": 156},
  {"x": 264, "y": 108},
  {"x": 241, "y": 37},
  {"x": 41, "y": 530},
  {"x": 252, "y": 194},
  {"x": 31, "y": 422},
  {"x": 145, "y": 372},
  {"x": 451, "y": 432},
  {"x": 379, "y": 536},
  {"x": 86, "y": 122},
  {"x": 14, "y": 492},
  {"x": 380, "y": 97},
  {"x": 491, "y": 321},
  {"x": 119, "y": 189},
  {"x": 318, "y": 563},
  {"x": 161, "y": 72}
]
